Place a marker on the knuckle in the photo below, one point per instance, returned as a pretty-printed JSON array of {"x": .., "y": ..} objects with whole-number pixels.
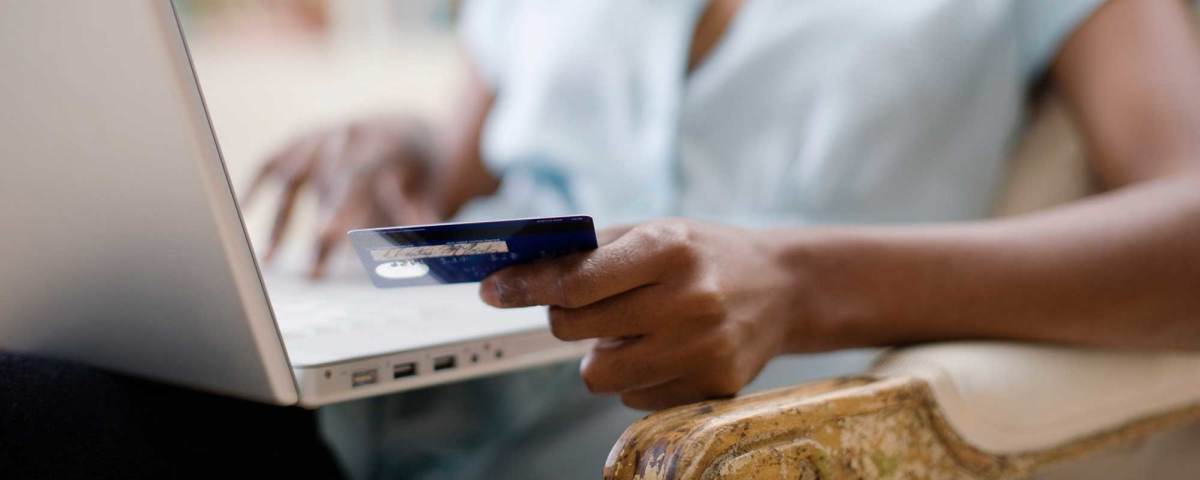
[
  {"x": 709, "y": 302},
  {"x": 724, "y": 375},
  {"x": 591, "y": 381},
  {"x": 637, "y": 402},
  {"x": 592, "y": 373},
  {"x": 560, "y": 323},
  {"x": 721, "y": 350},
  {"x": 673, "y": 238},
  {"x": 570, "y": 291},
  {"x": 577, "y": 278},
  {"x": 724, "y": 385},
  {"x": 646, "y": 230},
  {"x": 674, "y": 235}
]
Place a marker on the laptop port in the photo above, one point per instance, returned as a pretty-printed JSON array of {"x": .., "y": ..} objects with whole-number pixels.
[
  {"x": 401, "y": 370},
  {"x": 364, "y": 377},
  {"x": 444, "y": 362}
]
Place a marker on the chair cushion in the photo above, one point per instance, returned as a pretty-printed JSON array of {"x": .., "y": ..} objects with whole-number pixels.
[{"x": 1010, "y": 397}]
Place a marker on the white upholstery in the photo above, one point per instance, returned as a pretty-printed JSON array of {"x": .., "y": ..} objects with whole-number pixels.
[
  {"x": 1048, "y": 166},
  {"x": 1009, "y": 397}
]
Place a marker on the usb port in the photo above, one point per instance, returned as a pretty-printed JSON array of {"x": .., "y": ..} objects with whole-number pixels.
[
  {"x": 364, "y": 377},
  {"x": 444, "y": 362},
  {"x": 401, "y": 370}
]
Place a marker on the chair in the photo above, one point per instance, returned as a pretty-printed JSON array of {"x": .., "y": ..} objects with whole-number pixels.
[{"x": 951, "y": 410}]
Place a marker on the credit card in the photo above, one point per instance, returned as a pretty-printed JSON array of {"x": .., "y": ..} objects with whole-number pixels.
[{"x": 465, "y": 252}]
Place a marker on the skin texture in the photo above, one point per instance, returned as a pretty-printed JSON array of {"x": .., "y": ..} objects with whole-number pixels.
[{"x": 686, "y": 310}]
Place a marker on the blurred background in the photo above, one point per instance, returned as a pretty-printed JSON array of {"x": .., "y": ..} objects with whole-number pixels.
[{"x": 272, "y": 70}]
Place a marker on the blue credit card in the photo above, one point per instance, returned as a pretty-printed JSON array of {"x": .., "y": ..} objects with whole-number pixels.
[{"x": 465, "y": 252}]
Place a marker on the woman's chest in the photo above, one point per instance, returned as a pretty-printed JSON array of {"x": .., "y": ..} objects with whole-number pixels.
[{"x": 817, "y": 109}]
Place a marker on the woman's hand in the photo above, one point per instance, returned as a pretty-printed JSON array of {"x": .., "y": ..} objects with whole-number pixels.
[
  {"x": 685, "y": 310},
  {"x": 368, "y": 173}
]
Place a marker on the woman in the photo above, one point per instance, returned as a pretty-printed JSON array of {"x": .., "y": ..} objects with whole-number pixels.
[{"x": 829, "y": 163}]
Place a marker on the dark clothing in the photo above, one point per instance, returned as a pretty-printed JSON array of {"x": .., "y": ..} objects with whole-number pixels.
[{"x": 61, "y": 420}]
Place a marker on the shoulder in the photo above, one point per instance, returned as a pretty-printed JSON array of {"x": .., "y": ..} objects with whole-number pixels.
[{"x": 1043, "y": 26}]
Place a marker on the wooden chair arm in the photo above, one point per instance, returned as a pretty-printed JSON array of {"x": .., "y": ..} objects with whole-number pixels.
[{"x": 856, "y": 427}]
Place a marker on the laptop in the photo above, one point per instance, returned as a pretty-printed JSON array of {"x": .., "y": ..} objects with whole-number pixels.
[{"x": 123, "y": 247}]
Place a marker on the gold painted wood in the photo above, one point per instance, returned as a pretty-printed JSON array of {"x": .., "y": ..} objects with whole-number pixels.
[{"x": 842, "y": 428}]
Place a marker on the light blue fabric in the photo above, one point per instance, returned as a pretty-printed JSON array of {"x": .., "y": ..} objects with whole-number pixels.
[{"x": 806, "y": 112}]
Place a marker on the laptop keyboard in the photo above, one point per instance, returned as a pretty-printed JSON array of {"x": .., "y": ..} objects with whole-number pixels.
[
  {"x": 306, "y": 309},
  {"x": 329, "y": 321}
]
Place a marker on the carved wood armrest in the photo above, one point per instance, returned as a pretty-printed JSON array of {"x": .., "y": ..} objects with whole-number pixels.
[{"x": 856, "y": 427}]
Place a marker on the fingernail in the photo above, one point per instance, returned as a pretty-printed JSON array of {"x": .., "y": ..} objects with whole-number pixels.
[{"x": 489, "y": 291}]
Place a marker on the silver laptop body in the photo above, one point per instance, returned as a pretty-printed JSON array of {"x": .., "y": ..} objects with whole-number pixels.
[{"x": 122, "y": 246}]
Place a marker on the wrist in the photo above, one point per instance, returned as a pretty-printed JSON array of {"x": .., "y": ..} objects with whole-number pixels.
[
  {"x": 456, "y": 179},
  {"x": 832, "y": 301}
]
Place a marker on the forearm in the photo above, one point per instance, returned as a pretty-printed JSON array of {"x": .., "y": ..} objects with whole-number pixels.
[
  {"x": 459, "y": 177},
  {"x": 1120, "y": 269},
  {"x": 460, "y": 173}
]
